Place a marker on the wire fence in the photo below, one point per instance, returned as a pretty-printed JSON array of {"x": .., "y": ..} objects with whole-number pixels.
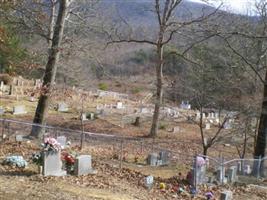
[{"x": 134, "y": 151}]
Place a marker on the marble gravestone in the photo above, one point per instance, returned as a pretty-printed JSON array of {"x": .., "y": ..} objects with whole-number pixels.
[
  {"x": 164, "y": 157},
  {"x": 226, "y": 195},
  {"x": 62, "y": 140},
  {"x": 62, "y": 107},
  {"x": 52, "y": 164},
  {"x": 149, "y": 181},
  {"x": 83, "y": 165},
  {"x": 152, "y": 159},
  {"x": 17, "y": 110},
  {"x": 2, "y": 111}
]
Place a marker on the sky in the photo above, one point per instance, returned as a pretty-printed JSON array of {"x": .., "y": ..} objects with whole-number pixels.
[{"x": 236, "y": 6}]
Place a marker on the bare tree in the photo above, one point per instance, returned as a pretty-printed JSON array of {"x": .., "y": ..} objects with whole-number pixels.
[{"x": 168, "y": 26}]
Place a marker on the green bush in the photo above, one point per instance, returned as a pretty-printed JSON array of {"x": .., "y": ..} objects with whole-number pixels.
[{"x": 102, "y": 86}]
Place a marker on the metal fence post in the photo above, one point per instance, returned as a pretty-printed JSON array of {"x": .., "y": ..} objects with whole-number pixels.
[
  {"x": 195, "y": 171},
  {"x": 259, "y": 167},
  {"x": 121, "y": 154},
  {"x": 3, "y": 128}
]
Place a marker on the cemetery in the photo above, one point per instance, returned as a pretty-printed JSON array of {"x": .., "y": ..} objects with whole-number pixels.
[
  {"x": 133, "y": 100},
  {"x": 115, "y": 146}
]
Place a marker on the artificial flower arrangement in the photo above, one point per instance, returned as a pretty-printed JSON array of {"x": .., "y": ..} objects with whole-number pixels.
[
  {"x": 68, "y": 161},
  {"x": 51, "y": 144}
]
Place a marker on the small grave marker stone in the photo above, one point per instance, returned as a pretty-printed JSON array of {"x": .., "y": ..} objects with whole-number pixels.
[
  {"x": 164, "y": 157},
  {"x": 247, "y": 169},
  {"x": 83, "y": 117},
  {"x": 19, "y": 138},
  {"x": 207, "y": 126},
  {"x": 62, "y": 107},
  {"x": 226, "y": 195},
  {"x": 149, "y": 181},
  {"x": 2, "y": 86},
  {"x": 152, "y": 159},
  {"x": 17, "y": 110},
  {"x": 119, "y": 105},
  {"x": 62, "y": 140},
  {"x": 232, "y": 174},
  {"x": 2, "y": 111},
  {"x": 83, "y": 165},
  {"x": 176, "y": 129}
]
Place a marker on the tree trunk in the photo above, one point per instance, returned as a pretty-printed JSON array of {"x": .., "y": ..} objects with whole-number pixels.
[
  {"x": 50, "y": 71},
  {"x": 261, "y": 137},
  {"x": 205, "y": 150},
  {"x": 159, "y": 94},
  {"x": 262, "y": 131}
]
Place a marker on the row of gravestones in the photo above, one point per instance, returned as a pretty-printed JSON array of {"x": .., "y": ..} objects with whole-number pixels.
[
  {"x": 52, "y": 164},
  {"x": 158, "y": 159}
]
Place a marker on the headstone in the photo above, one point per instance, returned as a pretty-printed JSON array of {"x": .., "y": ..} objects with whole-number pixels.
[
  {"x": 212, "y": 115},
  {"x": 32, "y": 99},
  {"x": 83, "y": 117},
  {"x": 62, "y": 140},
  {"x": 209, "y": 115},
  {"x": 207, "y": 126},
  {"x": 119, "y": 105},
  {"x": 220, "y": 174},
  {"x": 247, "y": 169},
  {"x": 226, "y": 195},
  {"x": 62, "y": 107},
  {"x": 176, "y": 129},
  {"x": 52, "y": 164},
  {"x": 201, "y": 174},
  {"x": 2, "y": 86},
  {"x": 83, "y": 165},
  {"x": 227, "y": 125},
  {"x": 17, "y": 110},
  {"x": 2, "y": 111},
  {"x": 92, "y": 116},
  {"x": 152, "y": 159},
  {"x": 19, "y": 138},
  {"x": 144, "y": 110},
  {"x": 232, "y": 174},
  {"x": 164, "y": 157},
  {"x": 149, "y": 181},
  {"x": 198, "y": 115}
]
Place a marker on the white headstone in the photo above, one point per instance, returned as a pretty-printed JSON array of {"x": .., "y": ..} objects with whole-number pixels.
[
  {"x": 63, "y": 107},
  {"x": 52, "y": 164},
  {"x": 176, "y": 129},
  {"x": 83, "y": 117},
  {"x": 83, "y": 165},
  {"x": 2, "y": 86},
  {"x": 207, "y": 126},
  {"x": 17, "y": 110},
  {"x": 19, "y": 138},
  {"x": 62, "y": 140},
  {"x": 226, "y": 195},
  {"x": 149, "y": 181},
  {"x": 247, "y": 169},
  {"x": 152, "y": 159},
  {"x": 198, "y": 115},
  {"x": 2, "y": 111},
  {"x": 119, "y": 105}
]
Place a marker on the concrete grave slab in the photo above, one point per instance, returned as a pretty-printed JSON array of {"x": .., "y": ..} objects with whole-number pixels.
[
  {"x": 83, "y": 165},
  {"x": 18, "y": 110}
]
